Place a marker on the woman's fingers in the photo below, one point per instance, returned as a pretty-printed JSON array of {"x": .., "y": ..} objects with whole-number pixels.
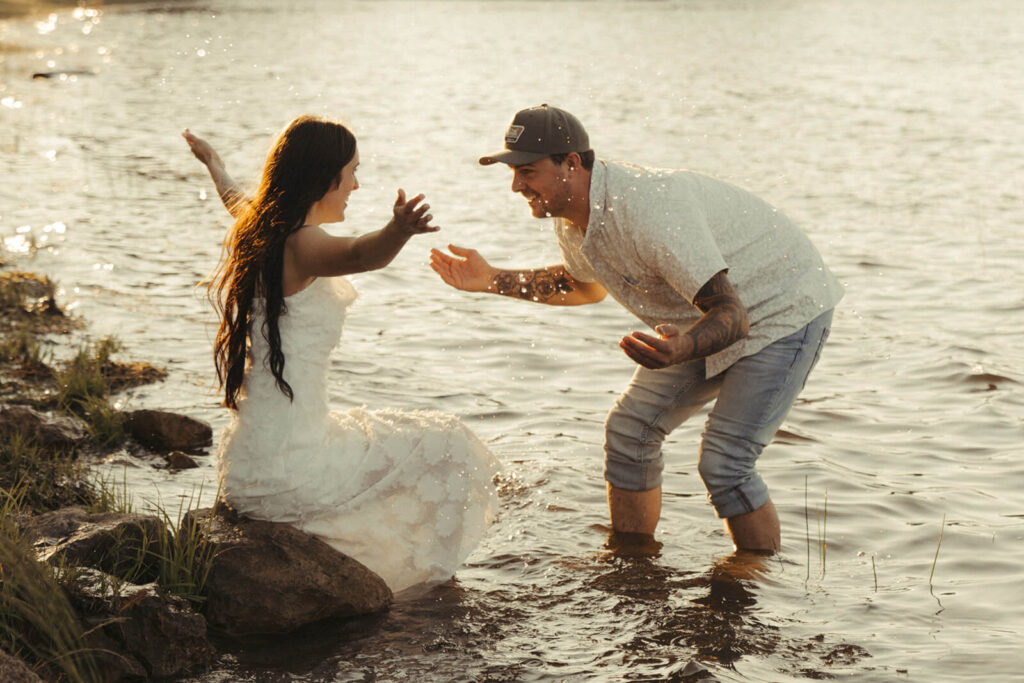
[{"x": 413, "y": 215}]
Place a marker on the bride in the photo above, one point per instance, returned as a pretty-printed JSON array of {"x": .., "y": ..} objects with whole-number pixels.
[{"x": 408, "y": 494}]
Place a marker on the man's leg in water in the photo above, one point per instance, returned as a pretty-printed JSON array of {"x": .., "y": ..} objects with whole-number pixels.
[
  {"x": 654, "y": 403},
  {"x": 755, "y": 396}
]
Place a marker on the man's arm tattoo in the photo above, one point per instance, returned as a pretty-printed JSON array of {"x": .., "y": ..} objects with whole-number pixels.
[
  {"x": 533, "y": 285},
  {"x": 727, "y": 322}
]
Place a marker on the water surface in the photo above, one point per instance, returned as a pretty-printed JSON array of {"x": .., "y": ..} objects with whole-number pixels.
[{"x": 890, "y": 131}]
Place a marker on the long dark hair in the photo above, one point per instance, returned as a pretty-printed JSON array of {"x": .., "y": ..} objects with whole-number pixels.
[{"x": 304, "y": 164}]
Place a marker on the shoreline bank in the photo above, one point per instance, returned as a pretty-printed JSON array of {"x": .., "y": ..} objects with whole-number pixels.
[{"x": 24, "y": 9}]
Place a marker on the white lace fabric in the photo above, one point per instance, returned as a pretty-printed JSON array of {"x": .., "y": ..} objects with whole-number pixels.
[{"x": 407, "y": 493}]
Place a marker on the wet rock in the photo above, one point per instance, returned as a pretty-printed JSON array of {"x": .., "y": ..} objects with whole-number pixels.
[
  {"x": 163, "y": 431},
  {"x": 13, "y": 670},
  {"x": 111, "y": 541},
  {"x": 269, "y": 577},
  {"x": 176, "y": 460},
  {"x": 140, "y": 631},
  {"x": 51, "y": 432}
]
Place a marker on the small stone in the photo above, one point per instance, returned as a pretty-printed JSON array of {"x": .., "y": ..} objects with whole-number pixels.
[{"x": 176, "y": 460}]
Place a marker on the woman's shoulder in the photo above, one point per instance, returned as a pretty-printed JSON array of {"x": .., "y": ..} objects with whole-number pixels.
[{"x": 307, "y": 233}]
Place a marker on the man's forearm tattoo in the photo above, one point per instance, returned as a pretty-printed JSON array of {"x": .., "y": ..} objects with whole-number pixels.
[
  {"x": 728, "y": 322},
  {"x": 533, "y": 285}
]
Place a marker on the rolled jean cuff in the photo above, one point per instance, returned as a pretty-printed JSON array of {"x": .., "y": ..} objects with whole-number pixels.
[
  {"x": 745, "y": 498},
  {"x": 631, "y": 475}
]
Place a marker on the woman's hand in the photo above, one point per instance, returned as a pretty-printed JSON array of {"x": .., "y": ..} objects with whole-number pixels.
[
  {"x": 467, "y": 270},
  {"x": 411, "y": 217},
  {"x": 202, "y": 149}
]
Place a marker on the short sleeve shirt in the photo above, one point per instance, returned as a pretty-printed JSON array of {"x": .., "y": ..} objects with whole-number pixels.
[{"x": 655, "y": 237}]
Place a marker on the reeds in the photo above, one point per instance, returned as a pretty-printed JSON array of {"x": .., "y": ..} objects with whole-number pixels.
[
  {"x": 822, "y": 540},
  {"x": 935, "y": 561}
]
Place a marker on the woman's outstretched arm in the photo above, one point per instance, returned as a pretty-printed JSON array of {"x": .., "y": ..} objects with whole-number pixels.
[
  {"x": 312, "y": 252},
  {"x": 234, "y": 199}
]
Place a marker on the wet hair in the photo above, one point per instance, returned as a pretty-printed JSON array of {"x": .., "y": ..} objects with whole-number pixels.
[
  {"x": 304, "y": 163},
  {"x": 586, "y": 158}
]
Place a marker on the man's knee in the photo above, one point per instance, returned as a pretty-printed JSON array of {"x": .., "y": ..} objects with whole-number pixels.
[
  {"x": 632, "y": 447},
  {"x": 728, "y": 468}
]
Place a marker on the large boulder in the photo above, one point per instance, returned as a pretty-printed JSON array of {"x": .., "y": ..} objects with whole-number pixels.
[
  {"x": 269, "y": 577},
  {"x": 163, "y": 431},
  {"x": 115, "y": 542},
  {"x": 138, "y": 631},
  {"x": 54, "y": 432}
]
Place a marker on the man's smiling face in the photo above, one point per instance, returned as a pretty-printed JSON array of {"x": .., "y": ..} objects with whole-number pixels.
[{"x": 545, "y": 185}]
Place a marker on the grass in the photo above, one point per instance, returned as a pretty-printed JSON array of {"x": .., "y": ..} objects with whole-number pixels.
[
  {"x": 43, "y": 480},
  {"x": 16, "y": 287},
  {"x": 179, "y": 558},
  {"x": 83, "y": 391},
  {"x": 104, "y": 421},
  {"x": 21, "y": 347},
  {"x": 37, "y": 623},
  {"x": 186, "y": 553},
  {"x": 80, "y": 380}
]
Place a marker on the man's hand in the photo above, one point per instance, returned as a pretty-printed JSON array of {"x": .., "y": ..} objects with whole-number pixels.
[
  {"x": 467, "y": 270},
  {"x": 668, "y": 348}
]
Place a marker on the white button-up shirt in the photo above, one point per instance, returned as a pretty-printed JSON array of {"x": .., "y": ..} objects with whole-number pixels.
[{"x": 655, "y": 237}]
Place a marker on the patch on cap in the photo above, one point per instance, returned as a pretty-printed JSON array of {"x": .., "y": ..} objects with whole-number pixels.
[{"x": 513, "y": 133}]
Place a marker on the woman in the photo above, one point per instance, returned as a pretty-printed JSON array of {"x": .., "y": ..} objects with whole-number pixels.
[{"x": 408, "y": 494}]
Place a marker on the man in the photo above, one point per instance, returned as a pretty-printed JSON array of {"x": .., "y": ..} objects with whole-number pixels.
[{"x": 739, "y": 299}]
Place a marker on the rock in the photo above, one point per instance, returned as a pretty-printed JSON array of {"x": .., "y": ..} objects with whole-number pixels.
[
  {"x": 13, "y": 670},
  {"x": 50, "y": 432},
  {"x": 269, "y": 577},
  {"x": 163, "y": 431},
  {"x": 141, "y": 630},
  {"x": 112, "y": 541},
  {"x": 176, "y": 460}
]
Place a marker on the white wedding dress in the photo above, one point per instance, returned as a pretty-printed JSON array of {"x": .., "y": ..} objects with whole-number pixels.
[{"x": 407, "y": 493}]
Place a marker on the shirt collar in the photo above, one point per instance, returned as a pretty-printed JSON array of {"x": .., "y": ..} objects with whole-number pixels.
[{"x": 598, "y": 194}]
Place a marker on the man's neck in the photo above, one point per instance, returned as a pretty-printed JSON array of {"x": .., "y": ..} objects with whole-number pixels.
[{"x": 579, "y": 214}]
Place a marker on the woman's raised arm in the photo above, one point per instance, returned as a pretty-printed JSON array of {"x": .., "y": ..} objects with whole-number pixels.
[{"x": 234, "y": 199}]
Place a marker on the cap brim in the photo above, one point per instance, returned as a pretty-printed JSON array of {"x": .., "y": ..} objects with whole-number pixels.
[{"x": 512, "y": 157}]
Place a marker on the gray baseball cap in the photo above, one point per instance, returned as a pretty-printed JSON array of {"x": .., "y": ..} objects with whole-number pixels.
[{"x": 539, "y": 132}]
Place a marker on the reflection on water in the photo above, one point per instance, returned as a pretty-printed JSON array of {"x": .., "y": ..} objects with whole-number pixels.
[
  {"x": 620, "y": 610},
  {"x": 890, "y": 131}
]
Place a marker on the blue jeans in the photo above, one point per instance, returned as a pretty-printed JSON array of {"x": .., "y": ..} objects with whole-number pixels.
[{"x": 754, "y": 396}]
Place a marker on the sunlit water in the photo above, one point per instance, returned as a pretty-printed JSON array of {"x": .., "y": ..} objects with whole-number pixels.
[{"x": 891, "y": 130}]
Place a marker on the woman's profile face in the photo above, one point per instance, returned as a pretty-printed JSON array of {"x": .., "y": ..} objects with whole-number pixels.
[{"x": 335, "y": 201}]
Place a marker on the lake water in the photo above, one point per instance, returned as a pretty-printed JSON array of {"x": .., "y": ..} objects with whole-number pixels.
[{"x": 892, "y": 131}]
